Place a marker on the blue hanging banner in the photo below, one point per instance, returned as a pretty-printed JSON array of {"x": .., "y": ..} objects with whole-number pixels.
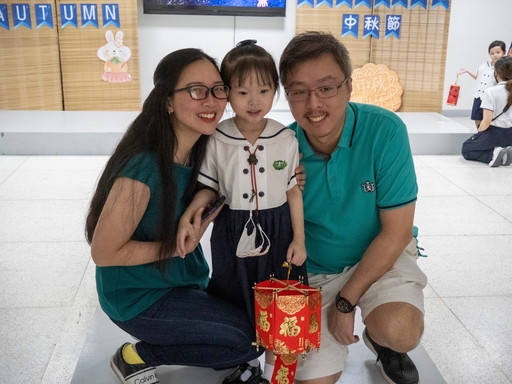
[
  {"x": 44, "y": 15},
  {"x": 444, "y": 3},
  {"x": 368, "y": 3},
  {"x": 403, "y": 3},
  {"x": 371, "y": 26},
  {"x": 89, "y": 15},
  {"x": 21, "y": 16},
  {"x": 4, "y": 17},
  {"x": 348, "y": 3},
  {"x": 422, "y": 3},
  {"x": 393, "y": 24},
  {"x": 386, "y": 3},
  {"x": 110, "y": 15},
  {"x": 300, "y": 3},
  {"x": 68, "y": 15},
  {"x": 350, "y": 25},
  {"x": 326, "y": 2}
]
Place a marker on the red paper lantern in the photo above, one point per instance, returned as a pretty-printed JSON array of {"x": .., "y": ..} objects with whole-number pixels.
[
  {"x": 453, "y": 93},
  {"x": 288, "y": 320}
]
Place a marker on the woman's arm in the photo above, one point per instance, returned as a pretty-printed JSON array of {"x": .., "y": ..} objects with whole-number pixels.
[
  {"x": 111, "y": 244},
  {"x": 486, "y": 121},
  {"x": 296, "y": 251}
]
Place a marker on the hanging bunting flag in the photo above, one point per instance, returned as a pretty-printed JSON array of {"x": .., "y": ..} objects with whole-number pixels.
[
  {"x": 300, "y": 3},
  {"x": 110, "y": 15},
  {"x": 403, "y": 3},
  {"x": 393, "y": 24},
  {"x": 385, "y": 3},
  {"x": 68, "y": 15},
  {"x": 350, "y": 25},
  {"x": 368, "y": 3},
  {"x": 326, "y": 2},
  {"x": 371, "y": 26},
  {"x": 4, "y": 17},
  {"x": 44, "y": 15},
  {"x": 444, "y": 3},
  {"x": 21, "y": 16},
  {"x": 422, "y": 3},
  {"x": 348, "y": 3},
  {"x": 89, "y": 15}
]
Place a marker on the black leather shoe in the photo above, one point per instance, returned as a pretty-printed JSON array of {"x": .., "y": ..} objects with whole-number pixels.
[
  {"x": 255, "y": 378},
  {"x": 397, "y": 368}
]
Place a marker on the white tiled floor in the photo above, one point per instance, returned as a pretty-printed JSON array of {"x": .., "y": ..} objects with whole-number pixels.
[{"x": 47, "y": 294}]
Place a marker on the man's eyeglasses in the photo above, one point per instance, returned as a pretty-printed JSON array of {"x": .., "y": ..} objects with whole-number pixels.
[
  {"x": 201, "y": 92},
  {"x": 324, "y": 92}
]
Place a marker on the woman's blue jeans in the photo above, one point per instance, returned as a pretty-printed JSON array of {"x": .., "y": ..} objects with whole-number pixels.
[{"x": 192, "y": 327}]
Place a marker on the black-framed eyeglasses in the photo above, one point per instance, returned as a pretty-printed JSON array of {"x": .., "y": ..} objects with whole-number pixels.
[
  {"x": 323, "y": 92},
  {"x": 201, "y": 92}
]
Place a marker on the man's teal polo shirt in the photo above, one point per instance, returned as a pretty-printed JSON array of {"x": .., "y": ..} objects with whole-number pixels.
[{"x": 371, "y": 169}]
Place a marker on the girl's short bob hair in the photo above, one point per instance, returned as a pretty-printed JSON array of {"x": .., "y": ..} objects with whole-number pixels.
[{"x": 245, "y": 58}]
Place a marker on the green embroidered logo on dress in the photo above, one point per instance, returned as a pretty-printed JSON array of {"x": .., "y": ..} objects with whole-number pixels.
[{"x": 279, "y": 165}]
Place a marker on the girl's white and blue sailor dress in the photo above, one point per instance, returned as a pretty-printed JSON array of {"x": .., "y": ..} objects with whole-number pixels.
[{"x": 254, "y": 179}]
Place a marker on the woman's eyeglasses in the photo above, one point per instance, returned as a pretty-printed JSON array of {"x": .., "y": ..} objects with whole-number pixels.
[{"x": 201, "y": 92}]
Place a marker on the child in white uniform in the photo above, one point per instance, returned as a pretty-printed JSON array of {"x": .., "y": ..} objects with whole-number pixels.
[
  {"x": 251, "y": 160},
  {"x": 484, "y": 77},
  {"x": 493, "y": 142}
]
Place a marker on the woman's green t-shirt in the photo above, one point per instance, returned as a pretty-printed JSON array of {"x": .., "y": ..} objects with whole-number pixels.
[{"x": 125, "y": 292}]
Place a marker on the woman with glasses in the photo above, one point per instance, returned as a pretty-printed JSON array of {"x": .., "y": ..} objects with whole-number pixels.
[{"x": 148, "y": 182}]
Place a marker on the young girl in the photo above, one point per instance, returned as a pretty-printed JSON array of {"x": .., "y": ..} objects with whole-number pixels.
[
  {"x": 493, "y": 142},
  {"x": 132, "y": 225},
  {"x": 251, "y": 160},
  {"x": 484, "y": 77}
]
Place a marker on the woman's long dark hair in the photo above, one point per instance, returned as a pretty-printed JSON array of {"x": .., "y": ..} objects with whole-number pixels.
[{"x": 152, "y": 131}]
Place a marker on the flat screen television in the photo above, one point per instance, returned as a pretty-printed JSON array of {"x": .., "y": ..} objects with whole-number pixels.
[{"x": 217, "y": 7}]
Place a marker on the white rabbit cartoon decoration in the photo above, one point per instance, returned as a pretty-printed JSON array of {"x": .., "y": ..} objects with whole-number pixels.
[{"x": 115, "y": 55}]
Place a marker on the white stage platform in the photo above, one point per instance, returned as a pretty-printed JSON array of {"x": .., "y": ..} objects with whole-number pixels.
[
  {"x": 93, "y": 364},
  {"x": 98, "y": 132}
]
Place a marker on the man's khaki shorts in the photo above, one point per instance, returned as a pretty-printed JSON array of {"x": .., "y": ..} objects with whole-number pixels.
[{"x": 404, "y": 282}]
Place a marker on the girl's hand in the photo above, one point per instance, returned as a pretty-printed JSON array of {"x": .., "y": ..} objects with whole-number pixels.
[
  {"x": 296, "y": 253},
  {"x": 462, "y": 71}
]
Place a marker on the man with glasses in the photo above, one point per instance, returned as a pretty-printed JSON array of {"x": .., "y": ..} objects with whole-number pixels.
[{"x": 359, "y": 203}]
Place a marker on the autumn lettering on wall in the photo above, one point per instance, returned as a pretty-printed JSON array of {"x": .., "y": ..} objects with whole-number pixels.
[
  {"x": 78, "y": 73},
  {"x": 20, "y": 14}
]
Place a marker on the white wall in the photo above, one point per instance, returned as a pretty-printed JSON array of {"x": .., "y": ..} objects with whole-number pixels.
[{"x": 473, "y": 25}]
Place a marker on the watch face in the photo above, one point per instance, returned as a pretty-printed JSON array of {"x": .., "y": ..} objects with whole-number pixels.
[{"x": 343, "y": 305}]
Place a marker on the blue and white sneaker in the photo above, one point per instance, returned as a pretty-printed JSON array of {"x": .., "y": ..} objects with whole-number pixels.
[{"x": 498, "y": 156}]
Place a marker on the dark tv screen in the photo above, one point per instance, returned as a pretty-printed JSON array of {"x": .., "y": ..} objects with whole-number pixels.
[{"x": 217, "y": 7}]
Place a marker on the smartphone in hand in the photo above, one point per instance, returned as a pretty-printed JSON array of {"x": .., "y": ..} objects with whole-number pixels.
[{"x": 212, "y": 208}]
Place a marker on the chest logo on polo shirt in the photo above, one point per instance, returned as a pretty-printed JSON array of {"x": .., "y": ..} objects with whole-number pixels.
[
  {"x": 368, "y": 187},
  {"x": 279, "y": 165}
]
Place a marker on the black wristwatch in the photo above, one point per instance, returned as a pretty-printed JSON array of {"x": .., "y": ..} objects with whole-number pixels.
[{"x": 343, "y": 305}]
